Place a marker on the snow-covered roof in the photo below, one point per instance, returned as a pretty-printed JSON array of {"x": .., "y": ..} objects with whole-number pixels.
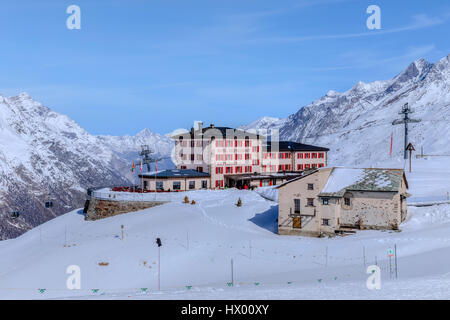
[{"x": 356, "y": 179}]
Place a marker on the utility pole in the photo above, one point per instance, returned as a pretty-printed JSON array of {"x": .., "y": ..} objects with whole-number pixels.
[{"x": 405, "y": 112}]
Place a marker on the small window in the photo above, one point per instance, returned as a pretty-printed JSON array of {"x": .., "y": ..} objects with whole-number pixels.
[
  {"x": 204, "y": 184},
  {"x": 310, "y": 186},
  {"x": 325, "y": 222},
  {"x": 176, "y": 185},
  {"x": 310, "y": 202},
  {"x": 347, "y": 201},
  {"x": 325, "y": 201},
  {"x": 191, "y": 185},
  {"x": 159, "y": 185},
  {"x": 296, "y": 205}
]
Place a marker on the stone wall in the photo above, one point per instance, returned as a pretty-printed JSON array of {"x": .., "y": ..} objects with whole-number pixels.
[{"x": 98, "y": 209}]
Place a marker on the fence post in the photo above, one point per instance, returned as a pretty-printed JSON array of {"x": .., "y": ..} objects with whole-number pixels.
[
  {"x": 232, "y": 273},
  {"x": 364, "y": 256},
  {"x": 395, "y": 250}
]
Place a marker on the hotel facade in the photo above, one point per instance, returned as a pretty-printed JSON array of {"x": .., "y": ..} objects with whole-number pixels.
[{"x": 228, "y": 157}]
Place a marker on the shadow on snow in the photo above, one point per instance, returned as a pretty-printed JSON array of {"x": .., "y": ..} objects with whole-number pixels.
[{"x": 267, "y": 219}]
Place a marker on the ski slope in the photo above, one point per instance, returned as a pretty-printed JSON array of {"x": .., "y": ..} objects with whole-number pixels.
[{"x": 200, "y": 240}]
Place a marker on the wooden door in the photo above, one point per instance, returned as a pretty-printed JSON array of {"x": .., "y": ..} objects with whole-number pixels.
[{"x": 296, "y": 222}]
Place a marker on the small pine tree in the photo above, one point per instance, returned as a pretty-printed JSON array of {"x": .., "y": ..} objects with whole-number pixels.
[
  {"x": 239, "y": 203},
  {"x": 186, "y": 199}
]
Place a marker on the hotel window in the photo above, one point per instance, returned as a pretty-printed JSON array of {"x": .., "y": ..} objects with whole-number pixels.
[
  {"x": 325, "y": 201},
  {"x": 314, "y": 155},
  {"x": 219, "y": 183},
  {"x": 228, "y": 170},
  {"x": 219, "y": 170},
  {"x": 347, "y": 201},
  {"x": 176, "y": 185},
  {"x": 310, "y": 186},
  {"x": 321, "y": 155},
  {"x": 200, "y": 169},
  {"x": 248, "y": 169},
  {"x": 325, "y": 222},
  {"x": 296, "y": 205},
  {"x": 310, "y": 202},
  {"x": 191, "y": 185}
]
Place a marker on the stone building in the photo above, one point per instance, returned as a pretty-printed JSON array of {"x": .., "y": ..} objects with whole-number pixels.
[{"x": 333, "y": 200}]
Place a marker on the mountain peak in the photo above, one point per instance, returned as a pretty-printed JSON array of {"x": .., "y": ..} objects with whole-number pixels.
[
  {"x": 24, "y": 96},
  {"x": 415, "y": 70},
  {"x": 144, "y": 133}
]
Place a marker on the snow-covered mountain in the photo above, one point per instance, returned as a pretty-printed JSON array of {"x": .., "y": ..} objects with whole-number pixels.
[
  {"x": 264, "y": 123},
  {"x": 357, "y": 124},
  {"x": 45, "y": 156}
]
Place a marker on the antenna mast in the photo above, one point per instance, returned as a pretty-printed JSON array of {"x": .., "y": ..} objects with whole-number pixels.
[
  {"x": 406, "y": 110},
  {"x": 145, "y": 153}
]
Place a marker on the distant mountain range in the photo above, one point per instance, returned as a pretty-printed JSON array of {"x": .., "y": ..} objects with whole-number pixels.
[{"x": 357, "y": 124}]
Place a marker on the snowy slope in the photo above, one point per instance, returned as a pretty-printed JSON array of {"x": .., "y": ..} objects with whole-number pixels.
[
  {"x": 357, "y": 124},
  {"x": 199, "y": 242},
  {"x": 42, "y": 152}
]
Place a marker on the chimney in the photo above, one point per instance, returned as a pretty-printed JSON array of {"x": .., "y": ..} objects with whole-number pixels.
[
  {"x": 212, "y": 125},
  {"x": 200, "y": 126}
]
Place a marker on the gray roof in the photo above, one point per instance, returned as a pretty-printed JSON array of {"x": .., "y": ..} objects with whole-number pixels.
[
  {"x": 342, "y": 180},
  {"x": 293, "y": 146},
  {"x": 174, "y": 173},
  {"x": 217, "y": 132}
]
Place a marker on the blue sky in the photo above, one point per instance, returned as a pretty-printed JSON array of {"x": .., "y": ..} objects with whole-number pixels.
[{"x": 163, "y": 64}]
